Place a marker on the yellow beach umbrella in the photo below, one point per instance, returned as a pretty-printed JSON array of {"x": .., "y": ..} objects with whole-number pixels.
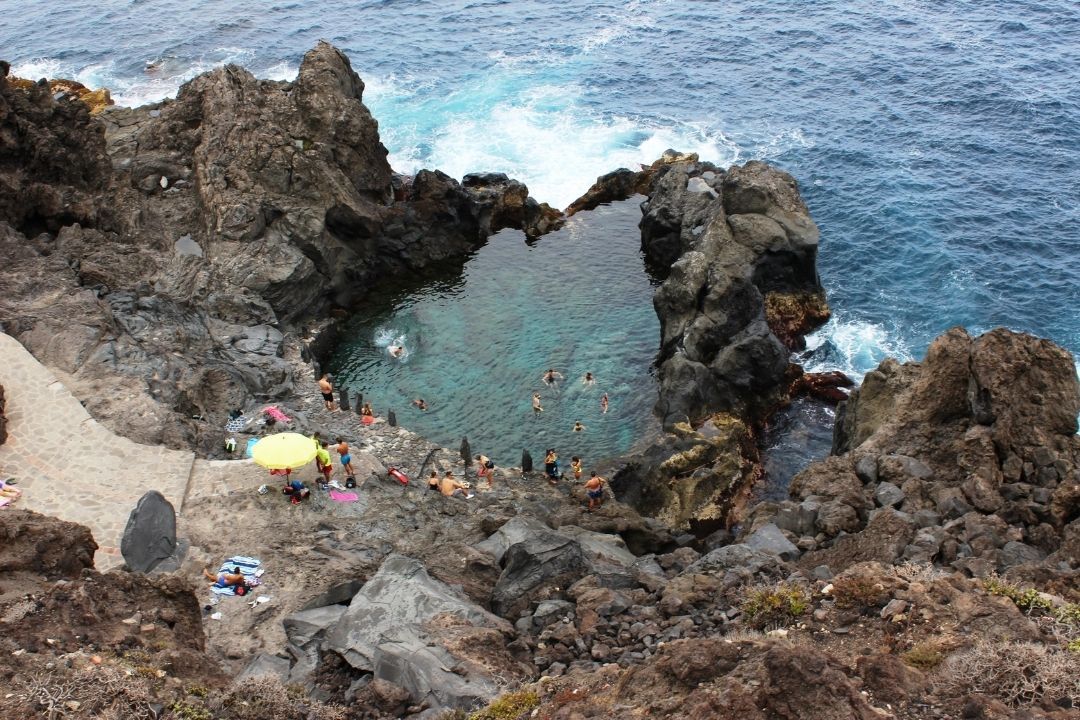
[{"x": 283, "y": 451}]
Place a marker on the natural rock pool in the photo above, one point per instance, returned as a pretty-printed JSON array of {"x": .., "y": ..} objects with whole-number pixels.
[{"x": 478, "y": 340}]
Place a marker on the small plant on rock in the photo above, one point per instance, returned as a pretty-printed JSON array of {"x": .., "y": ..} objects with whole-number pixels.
[
  {"x": 924, "y": 656},
  {"x": 1027, "y": 599},
  {"x": 859, "y": 593},
  {"x": 184, "y": 711},
  {"x": 508, "y": 707},
  {"x": 775, "y": 605}
]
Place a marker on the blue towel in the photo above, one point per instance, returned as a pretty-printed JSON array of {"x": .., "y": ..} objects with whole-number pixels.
[
  {"x": 247, "y": 565},
  {"x": 249, "y": 450}
]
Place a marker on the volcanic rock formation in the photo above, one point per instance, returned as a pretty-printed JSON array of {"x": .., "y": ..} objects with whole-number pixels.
[
  {"x": 155, "y": 256},
  {"x": 738, "y": 253}
]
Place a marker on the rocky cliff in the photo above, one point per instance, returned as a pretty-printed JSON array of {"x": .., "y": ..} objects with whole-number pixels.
[
  {"x": 155, "y": 256},
  {"x": 737, "y": 251}
]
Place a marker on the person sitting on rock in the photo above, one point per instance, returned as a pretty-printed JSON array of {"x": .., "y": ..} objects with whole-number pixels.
[
  {"x": 433, "y": 481},
  {"x": 225, "y": 579},
  {"x": 296, "y": 491},
  {"x": 450, "y": 486}
]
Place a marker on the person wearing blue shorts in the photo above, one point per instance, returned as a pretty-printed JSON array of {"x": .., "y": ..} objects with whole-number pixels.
[{"x": 346, "y": 457}]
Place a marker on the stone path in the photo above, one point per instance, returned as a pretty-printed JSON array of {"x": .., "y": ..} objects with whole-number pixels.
[{"x": 70, "y": 466}]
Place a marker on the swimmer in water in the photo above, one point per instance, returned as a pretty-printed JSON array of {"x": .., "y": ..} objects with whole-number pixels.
[
  {"x": 578, "y": 427},
  {"x": 588, "y": 380},
  {"x": 551, "y": 377},
  {"x": 397, "y": 350},
  {"x": 604, "y": 404},
  {"x": 419, "y": 402},
  {"x": 536, "y": 404}
]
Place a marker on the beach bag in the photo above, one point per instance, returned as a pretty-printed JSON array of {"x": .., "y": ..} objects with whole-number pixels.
[
  {"x": 241, "y": 589},
  {"x": 350, "y": 482}
]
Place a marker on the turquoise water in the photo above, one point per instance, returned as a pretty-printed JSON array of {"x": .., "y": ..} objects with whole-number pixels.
[{"x": 477, "y": 342}]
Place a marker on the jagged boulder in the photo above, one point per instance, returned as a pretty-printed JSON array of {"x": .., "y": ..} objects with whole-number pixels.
[{"x": 411, "y": 630}]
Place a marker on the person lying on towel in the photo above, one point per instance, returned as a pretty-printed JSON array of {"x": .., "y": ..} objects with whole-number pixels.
[{"x": 225, "y": 579}]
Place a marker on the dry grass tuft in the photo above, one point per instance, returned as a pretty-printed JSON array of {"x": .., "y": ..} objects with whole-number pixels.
[{"x": 1017, "y": 673}]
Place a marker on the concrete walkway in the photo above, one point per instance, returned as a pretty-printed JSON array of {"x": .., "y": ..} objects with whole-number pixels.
[{"x": 70, "y": 466}]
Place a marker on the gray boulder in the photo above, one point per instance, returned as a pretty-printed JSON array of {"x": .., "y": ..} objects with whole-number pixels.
[
  {"x": 550, "y": 611},
  {"x": 888, "y": 495},
  {"x": 730, "y": 557},
  {"x": 409, "y": 629},
  {"x": 150, "y": 534},
  {"x": 515, "y": 530},
  {"x": 542, "y": 560},
  {"x": 305, "y": 631},
  {"x": 1018, "y": 553},
  {"x": 263, "y": 665},
  {"x": 769, "y": 539}
]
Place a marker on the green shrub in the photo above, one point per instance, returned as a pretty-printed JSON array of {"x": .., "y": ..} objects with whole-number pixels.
[
  {"x": 1068, "y": 614},
  {"x": 183, "y": 711},
  {"x": 510, "y": 706},
  {"x": 775, "y": 605},
  {"x": 1026, "y": 599},
  {"x": 924, "y": 656}
]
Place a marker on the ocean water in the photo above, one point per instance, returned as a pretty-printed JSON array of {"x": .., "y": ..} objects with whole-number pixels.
[{"x": 937, "y": 144}]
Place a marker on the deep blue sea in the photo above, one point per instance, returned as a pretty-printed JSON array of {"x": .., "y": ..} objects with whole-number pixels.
[{"x": 937, "y": 144}]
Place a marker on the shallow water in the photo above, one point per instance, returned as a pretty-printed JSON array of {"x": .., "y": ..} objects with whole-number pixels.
[{"x": 476, "y": 344}]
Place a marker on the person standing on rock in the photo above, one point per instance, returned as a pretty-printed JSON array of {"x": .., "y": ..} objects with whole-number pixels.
[
  {"x": 575, "y": 465},
  {"x": 537, "y": 409},
  {"x": 594, "y": 489},
  {"x": 323, "y": 461},
  {"x": 327, "y": 390},
  {"x": 346, "y": 457},
  {"x": 551, "y": 466},
  {"x": 485, "y": 468}
]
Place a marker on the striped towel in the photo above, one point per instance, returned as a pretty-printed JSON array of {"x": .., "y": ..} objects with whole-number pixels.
[
  {"x": 236, "y": 424},
  {"x": 248, "y": 566}
]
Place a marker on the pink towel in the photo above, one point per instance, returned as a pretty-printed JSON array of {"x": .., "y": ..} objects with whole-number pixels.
[
  {"x": 343, "y": 496},
  {"x": 273, "y": 412}
]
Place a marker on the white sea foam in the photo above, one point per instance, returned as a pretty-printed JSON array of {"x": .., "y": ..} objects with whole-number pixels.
[
  {"x": 854, "y": 347},
  {"x": 160, "y": 78},
  {"x": 541, "y": 136}
]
